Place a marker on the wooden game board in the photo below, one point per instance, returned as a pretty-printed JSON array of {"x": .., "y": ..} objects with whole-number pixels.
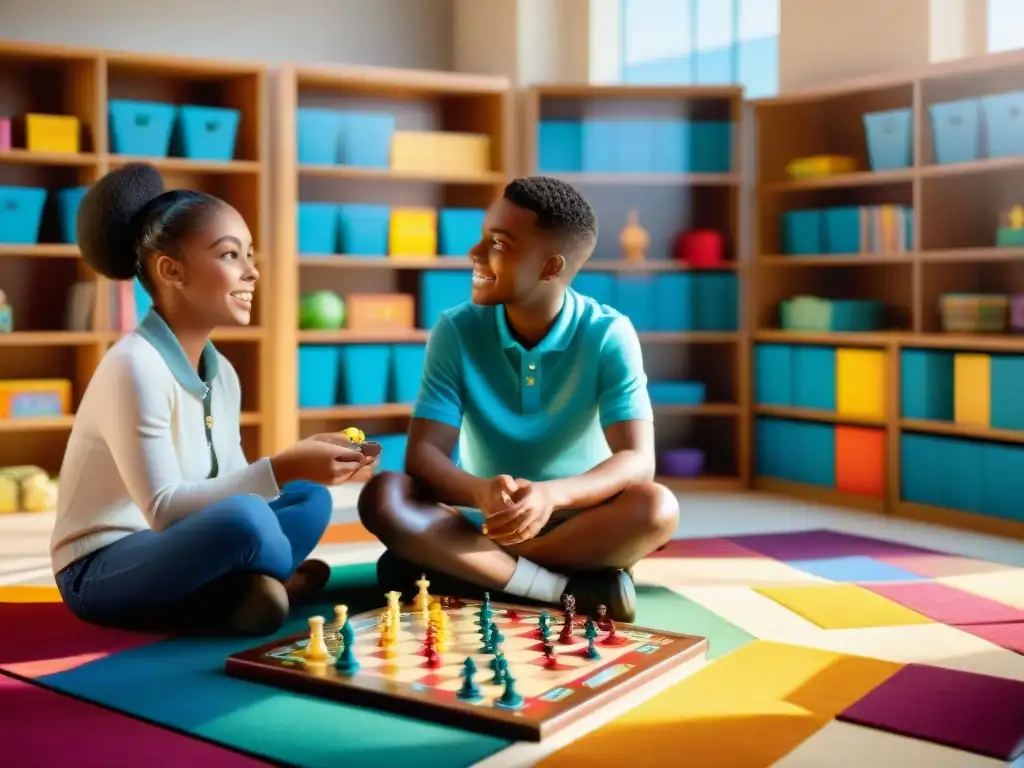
[{"x": 554, "y": 696}]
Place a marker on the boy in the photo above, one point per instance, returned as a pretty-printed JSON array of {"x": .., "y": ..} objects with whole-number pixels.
[{"x": 545, "y": 393}]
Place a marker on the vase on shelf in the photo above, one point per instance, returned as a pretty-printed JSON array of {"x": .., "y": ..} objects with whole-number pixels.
[{"x": 633, "y": 239}]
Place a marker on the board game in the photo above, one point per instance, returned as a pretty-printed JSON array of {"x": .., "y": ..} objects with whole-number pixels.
[{"x": 503, "y": 670}]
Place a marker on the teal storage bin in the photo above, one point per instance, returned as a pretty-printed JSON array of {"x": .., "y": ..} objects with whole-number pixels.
[
  {"x": 366, "y": 139},
  {"x": 960, "y": 474},
  {"x": 68, "y": 201},
  {"x": 926, "y": 384},
  {"x": 634, "y": 297},
  {"x": 317, "y": 228},
  {"x": 407, "y": 370},
  {"x": 715, "y": 301},
  {"x": 1004, "y": 123},
  {"x": 635, "y": 144},
  {"x": 600, "y": 150},
  {"x": 676, "y": 392},
  {"x": 843, "y": 230},
  {"x": 920, "y": 463},
  {"x": 599, "y": 286},
  {"x": 1007, "y": 392},
  {"x": 392, "y": 454},
  {"x": 803, "y": 233},
  {"x": 816, "y": 454},
  {"x": 814, "y": 378},
  {"x": 364, "y": 228},
  {"x": 1002, "y": 492},
  {"x": 670, "y": 140},
  {"x": 21, "y": 213},
  {"x": 890, "y": 139},
  {"x": 560, "y": 146},
  {"x": 459, "y": 230},
  {"x": 441, "y": 290},
  {"x": 318, "y": 376},
  {"x": 207, "y": 133},
  {"x": 141, "y": 128},
  {"x": 773, "y": 374},
  {"x": 365, "y": 373},
  {"x": 856, "y": 315},
  {"x": 773, "y": 449},
  {"x": 710, "y": 147},
  {"x": 956, "y": 131},
  {"x": 318, "y": 135},
  {"x": 673, "y": 296}
]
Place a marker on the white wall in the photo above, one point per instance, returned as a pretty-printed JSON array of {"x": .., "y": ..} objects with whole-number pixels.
[{"x": 400, "y": 33}]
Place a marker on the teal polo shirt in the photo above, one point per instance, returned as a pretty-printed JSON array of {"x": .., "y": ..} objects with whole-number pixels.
[{"x": 537, "y": 413}]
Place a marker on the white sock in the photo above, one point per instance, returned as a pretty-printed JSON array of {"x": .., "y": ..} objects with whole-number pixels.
[{"x": 536, "y": 583}]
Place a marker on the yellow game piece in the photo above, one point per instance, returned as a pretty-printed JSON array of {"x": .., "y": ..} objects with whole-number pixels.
[
  {"x": 316, "y": 648},
  {"x": 354, "y": 434},
  {"x": 340, "y": 615},
  {"x": 421, "y": 602},
  {"x": 1017, "y": 217}
]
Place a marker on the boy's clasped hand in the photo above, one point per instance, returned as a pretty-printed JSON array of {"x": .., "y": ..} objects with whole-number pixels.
[{"x": 515, "y": 510}]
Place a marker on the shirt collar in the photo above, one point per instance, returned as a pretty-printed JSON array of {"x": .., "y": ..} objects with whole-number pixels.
[
  {"x": 154, "y": 329},
  {"x": 557, "y": 339}
]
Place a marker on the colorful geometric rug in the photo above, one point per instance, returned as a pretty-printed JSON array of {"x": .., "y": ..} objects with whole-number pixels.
[{"x": 826, "y": 649}]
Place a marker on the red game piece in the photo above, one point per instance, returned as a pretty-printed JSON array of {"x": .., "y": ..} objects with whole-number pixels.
[
  {"x": 603, "y": 622},
  {"x": 433, "y": 659},
  {"x": 512, "y": 615},
  {"x": 612, "y": 638}
]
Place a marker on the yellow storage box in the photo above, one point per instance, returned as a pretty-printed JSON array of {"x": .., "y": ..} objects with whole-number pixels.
[
  {"x": 972, "y": 389},
  {"x": 441, "y": 152},
  {"x": 860, "y": 383},
  {"x": 413, "y": 232},
  {"x": 31, "y": 398},
  {"x": 52, "y": 133}
]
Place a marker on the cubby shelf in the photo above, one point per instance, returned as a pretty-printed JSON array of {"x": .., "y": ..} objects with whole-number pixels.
[
  {"x": 37, "y": 277},
  {"x": 955, "y": 210},
  {"x": 672, "y": 193}
]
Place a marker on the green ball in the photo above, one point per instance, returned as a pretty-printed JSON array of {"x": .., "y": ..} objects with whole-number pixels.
[{"x": 321, "y": 311}]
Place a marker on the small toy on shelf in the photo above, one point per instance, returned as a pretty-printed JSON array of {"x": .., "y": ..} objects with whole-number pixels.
[
  {"x": 26, "y": 489},
  {"x": 6, "y": 315},
  {"x": 974, "y": 312},
  {"x": 633, "y": 239},
  {"x": 1011, "y": 235},
  {"x": 321, "y": 311},
  {"x": 699, "y": 248},
  {"x": 816, "y": 166}
]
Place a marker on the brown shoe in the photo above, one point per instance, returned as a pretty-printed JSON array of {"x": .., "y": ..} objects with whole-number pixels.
[
  {"x": 308, "y": 581},
  {"x": 611, "y": 588}
]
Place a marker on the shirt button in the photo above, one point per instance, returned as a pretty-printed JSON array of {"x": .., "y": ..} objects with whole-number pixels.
[
  {"x": 532, "y": 366},
  {"x": 530, "y": 381}
]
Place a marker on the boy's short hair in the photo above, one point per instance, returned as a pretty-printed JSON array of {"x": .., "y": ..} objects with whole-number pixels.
[{"x": 561, "y": 210}]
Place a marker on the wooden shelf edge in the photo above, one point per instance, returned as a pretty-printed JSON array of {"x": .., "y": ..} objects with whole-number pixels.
[
  {"x": 37, "y": 424},
  {"x": 811, "y": 414},
  {"x": 952, "y": 429},
  {"x": 952, "y": 518},
  {"x": 391, "y": 174},
  {"x": 819, "y": 495},
  {"x": 435, "y": 261},
  {"x": 23, "y": 156},
  {"x": 383, "y": 411},
  {"x": 40, "y": 251}
]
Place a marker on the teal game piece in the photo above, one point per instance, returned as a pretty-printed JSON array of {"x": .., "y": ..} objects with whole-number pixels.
[
  {"x": 510, "y": 698},
  {"x": 347, "y": 662},
  {"x": 496, "y": 637},
  {"x": 469, "y": 691}
]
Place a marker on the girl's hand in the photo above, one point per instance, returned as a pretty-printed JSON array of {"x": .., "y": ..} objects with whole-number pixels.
[{"x": 318, "y": 461}]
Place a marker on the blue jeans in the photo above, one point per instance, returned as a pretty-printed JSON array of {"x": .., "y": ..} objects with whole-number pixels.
[{"x": 148, "y": 572}]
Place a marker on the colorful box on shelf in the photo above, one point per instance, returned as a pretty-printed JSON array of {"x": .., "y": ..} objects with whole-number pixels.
[
  {"x": 441, "y": 290},
  {"x": 413, "y": 232},
  {"x": 861, "y": 383},
  {"x": 818, "y": 166},
  {"x": 974, "y": 312},
  {"x": 318, "y": 135},
  {"x": 407, "y": 362},
  {"x": 206, "y": 133},
  {"x": 956, "y": 131},
  {"x": 815, "y": 314},
  {"x": 1006, "y": 403},
  {"x": 847, "y": 230},
  {"x": 459, "y": 230},
  {"x": 349, "y": 137},
  {"x": 860, "y": 461},
  {"x": 681, "y": 462},
  {"x": 380, "y": 311},
  {"x": 364, "y": 228},
  {"x": 890, "y": 139},
  {"x": 677, "y": 392},
  {"x": 1004, "y": 124},
  {"x": 350, "y": 374},
  {"x": 797, "y": 451},
  {"x": 972, "y": 389},
  {"x": 21, "y": 213},
  {"x": 141, "y": 128},
  {"x": 441, "y": 152},
  {"x": 52, "y": 133},
  {"x": 926, "y": 384},
  {"x": 68, "y": 201},
  {"x": 34, "y": 398},
  {"x": 317, "y": 226},
  {"x": 669, "y": 302}
]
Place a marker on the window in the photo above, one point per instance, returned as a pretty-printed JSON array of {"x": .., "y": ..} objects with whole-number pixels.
[
  {"x": 702, "y": 42},
  {"x": 1005, "y": 25}
]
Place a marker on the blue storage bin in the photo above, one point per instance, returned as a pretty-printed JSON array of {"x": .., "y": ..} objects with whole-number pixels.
[
  {"x": 441, "y": 290},
  {"x": 634, "y": 297},
  {"x": 670, "y": 140},
  {"x": 318, "y": 134},
  {"x": 68, "y": 201},
  {"x": 560, "y": 146},
  {"x": 890, "y": 139},
  {"x": 635, "y": 145},
  {"x": 711, "y": 147},
  {"x": 956, "y": 131},
  {"x": 207, "y": 133},
  {"x": 407, "y": 370},
  {"x": 803, "y": 233},
  {"x": 142, "y": 128},
  {"x": 21, "y": 213},
  {"x": 392, "y": 454},
  {"x": 1007, "y": 404},
  {"x": 815, "y": 454},
  {"x": 364, "y": 228},
  {"x": 600, "y": 150},
  {"x": 676, "y": 392},
  {"x": 1002, "y": 493},
  {"x": 960, "y": 474},
  {"x": 843, "y": 230},
  {"x": 926, "y": 384},
  {"x": 1004, "y": 123},
  {"x": 920, "y": 460},
  {"x": 856, "y": 315},
  {"x": 673, "y": 302},
  {"x": 318, "y": 228},
  {"x": 773, "y": 374},
  {"x": 365, "y": 370},
  {"x": 318, "y": 376},
  {"x": 366, "y": 139},
  {"x": 599, "y": 286},
  {"x": 459, "y": 230},
  {"x": 773, "y": 449},
  {"x": 715, "y": 302},
  {"x": 814, "y": 378}
]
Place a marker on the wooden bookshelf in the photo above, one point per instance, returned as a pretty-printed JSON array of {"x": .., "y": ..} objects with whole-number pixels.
[
  {"x": 956, "y": 209},
  {"x": 668, "y": 202},
  {"x": 419, "y": 101},
  {"x": 38, "y": 278}
]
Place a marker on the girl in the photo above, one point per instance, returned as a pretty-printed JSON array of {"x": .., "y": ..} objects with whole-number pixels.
[{"x": 161, "y": 521}]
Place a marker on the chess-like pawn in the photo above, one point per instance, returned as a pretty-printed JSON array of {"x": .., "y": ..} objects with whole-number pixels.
[
  {"x": 496, "y": 637},
  {"x": 340, "y": 616},
  {"x": 510, "y": 698},
  {"x": 316, "y": 648},
  {"x": 469, "y": 690},
  {"x": 421, "y": 603},
  {"x": 591, "y": 633},
  {"x": 347, "y": 662},
  {"x": 603, "y": 622}
]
